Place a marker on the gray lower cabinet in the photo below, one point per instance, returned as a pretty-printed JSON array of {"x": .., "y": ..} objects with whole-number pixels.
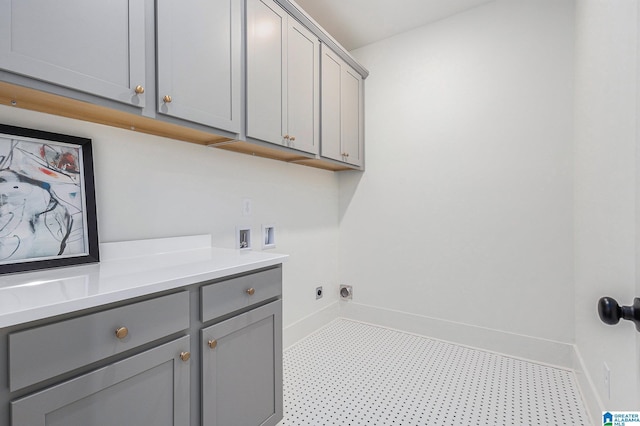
[
  {"x": 148, "y": 389},
  {"x": 342, "y": 110},
  {"x": 283, "y": 103},
  {"x": 242, "y": 369},
  {"x": 93, "y": 46},
  {"x": 140, "y": 363},
  {"x": 199, "y": 69}
]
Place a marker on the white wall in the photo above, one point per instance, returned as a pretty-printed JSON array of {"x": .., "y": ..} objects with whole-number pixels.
[
  {"x": 465, "y": 210},
  {"x": 151, "y": 187},
  {"x": 605, "y": 191}
]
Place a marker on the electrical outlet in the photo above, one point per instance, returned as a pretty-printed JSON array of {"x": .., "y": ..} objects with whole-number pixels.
[
  {"x": 246, "y": 207},
  {"x": 607, "y": 380},
  {"x": 319, "y": 293}
]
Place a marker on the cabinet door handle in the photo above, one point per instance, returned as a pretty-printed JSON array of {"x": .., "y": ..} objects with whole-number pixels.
[
  {"x": 139, "y": 90},
  {"x": 213, "y": 343},
  {"x": 286, "y": 136},
  {"x": 167, "y": 99},
  {"x": 251, "y": 291},
  {"x": 122, "y": 332},
  {"x": 185, "y": 356},
  {"x": 292, "y": 138}
]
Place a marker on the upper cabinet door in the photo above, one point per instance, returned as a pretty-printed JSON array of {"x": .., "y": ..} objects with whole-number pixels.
[
  {"x": 199, "y": 61},
  {"x": 352, "y": 116},
  {"x": 303, "y": 88},
  {"x": 94, "y": 46},
  {"x": 266, "y": 76},
  {"x": 331, "y": 146},
  {"x": 342, "y": 100},
  {"x": 282, "y": 78}
]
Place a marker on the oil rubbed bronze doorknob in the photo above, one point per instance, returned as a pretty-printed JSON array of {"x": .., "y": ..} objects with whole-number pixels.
[{"x": 610, "y": 311}]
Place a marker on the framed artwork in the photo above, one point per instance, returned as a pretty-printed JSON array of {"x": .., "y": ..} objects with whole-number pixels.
[{"x": 47, "y": 200}]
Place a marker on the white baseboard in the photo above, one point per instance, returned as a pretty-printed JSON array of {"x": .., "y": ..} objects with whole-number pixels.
[
  {"x": 590, "y": 396},
  {"x": 516, "y": 345},
  {"x": 309, "y": 324}
]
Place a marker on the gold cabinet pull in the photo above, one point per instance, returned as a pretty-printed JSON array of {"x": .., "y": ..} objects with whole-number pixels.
[
  {"x": 286, "y": 136},
  {"x": 213, "y": 343},
  {"x": 251, "y": 291},
  {"x": 139, "y": 89},
  {"x": 167, "y": 99},
  {"x": 292, "y": 138},
  {"x": 185, "y": 356},
  {"x": 122, "y": 332}
]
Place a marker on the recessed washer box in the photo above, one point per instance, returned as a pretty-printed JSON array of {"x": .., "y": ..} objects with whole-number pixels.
[
  {"x": 268, "y": 236},
  {"x": 243, "y": 238}
]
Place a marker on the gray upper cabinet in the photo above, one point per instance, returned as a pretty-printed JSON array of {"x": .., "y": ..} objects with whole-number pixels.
[
  {"x": 199, "y": 61},
  {"x": 342, "y": 110},
  {"x": 241, "y": 75},
  {"x": 94, "y": 46},
  {"x": 282, "y": 78},
  {"x": 148, "y": 389}
]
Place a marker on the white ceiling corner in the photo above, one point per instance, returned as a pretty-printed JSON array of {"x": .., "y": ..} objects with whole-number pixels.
[{"x": 356, "y": 23}]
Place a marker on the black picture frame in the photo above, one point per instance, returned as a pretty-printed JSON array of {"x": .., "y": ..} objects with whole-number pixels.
[{"x": 47, "y": 200}]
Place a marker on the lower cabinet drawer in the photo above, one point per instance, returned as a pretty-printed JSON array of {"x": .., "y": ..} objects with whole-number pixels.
[
  {"x": 44, "y": 352},
  {"x": 148, "y": 389},
  {"x": 227, "y": 296}
]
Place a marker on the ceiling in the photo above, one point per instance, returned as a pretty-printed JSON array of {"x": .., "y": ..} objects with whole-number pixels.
[{"x": 356, "y": 23}]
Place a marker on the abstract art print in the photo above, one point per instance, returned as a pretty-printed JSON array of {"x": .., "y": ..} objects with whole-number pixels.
[{"x": 47, "y": 200}]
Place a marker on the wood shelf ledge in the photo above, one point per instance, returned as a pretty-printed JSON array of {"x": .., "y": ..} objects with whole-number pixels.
[{"x": 35, "y": 100}]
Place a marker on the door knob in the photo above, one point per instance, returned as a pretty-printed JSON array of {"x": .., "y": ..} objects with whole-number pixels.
[{"x": 610, "y": 312}]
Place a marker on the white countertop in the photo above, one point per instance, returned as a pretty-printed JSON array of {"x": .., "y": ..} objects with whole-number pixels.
[{"x": 127, "y": 270}]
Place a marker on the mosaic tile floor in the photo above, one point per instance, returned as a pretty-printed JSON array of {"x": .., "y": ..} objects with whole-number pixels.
[{"x": 349, "y": 373}]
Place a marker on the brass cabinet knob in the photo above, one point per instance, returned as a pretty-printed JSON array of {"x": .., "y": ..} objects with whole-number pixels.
[
  {"x": 167, "y": 99},
  {"x": 213, "y": 343},
  {"x": 139, "y": 89},
  {"x": 293, "y": 138},
  {"x": 185, "y": 356},
  {"x": 122, "y": 332},
  {"x": 251, "y": 291},
  {"x": 286, "y": 136},
  {"x": 347, "y": 154}
]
